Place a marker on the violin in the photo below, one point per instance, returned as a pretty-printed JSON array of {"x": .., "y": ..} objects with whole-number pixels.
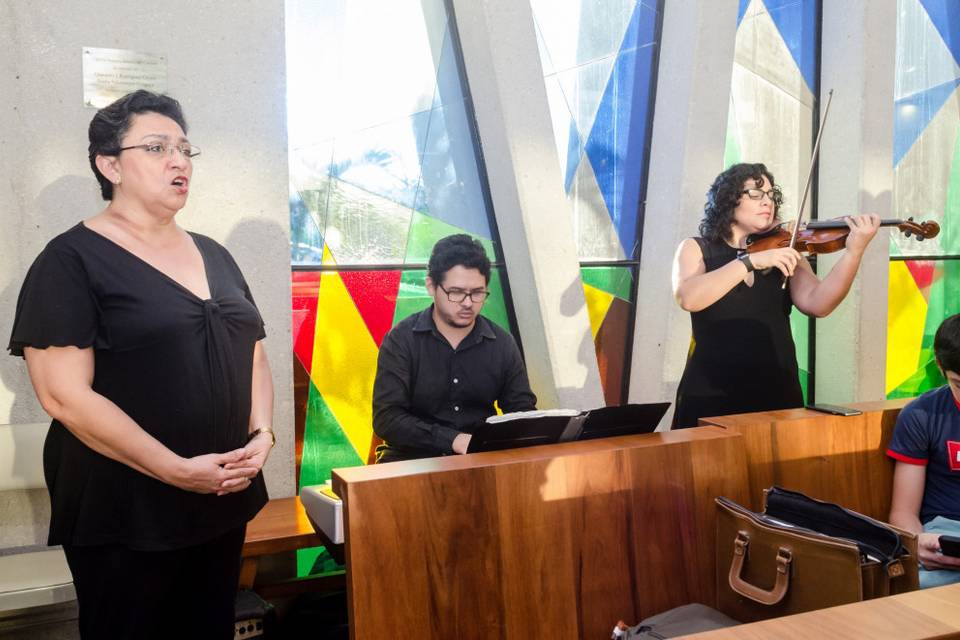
[{"x": 827, "y": 236}]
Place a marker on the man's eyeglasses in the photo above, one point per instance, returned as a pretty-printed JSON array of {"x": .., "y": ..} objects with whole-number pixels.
[
  {"x": 161, "y": 149},
  {"x": 458, "y": 295},
  {"x": 775, "y": 195}
]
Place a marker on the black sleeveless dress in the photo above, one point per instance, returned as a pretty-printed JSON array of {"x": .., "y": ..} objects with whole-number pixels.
[{"x": 743, "y": 358}]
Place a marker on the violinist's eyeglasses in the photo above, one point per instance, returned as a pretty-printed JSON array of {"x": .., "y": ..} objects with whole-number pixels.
[
  {"x": 775, "y": 195},
  {"x": 459, "y": 295}
]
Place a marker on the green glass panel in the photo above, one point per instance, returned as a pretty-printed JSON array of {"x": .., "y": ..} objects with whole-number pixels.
[
  {"x": 325, "y": 445},
  {"x": 315, "y": 561},
  {"x": 412, "y": 297},
  {"x": 943, "y": 301},
  {"x": 616, "y": 281},
  {"x": 731, "y": 151},
  {"x": 950, "y": 233},
  {"x": 424, "y": 233},
  {"x": 926, "y": 377},
  {"x": 495, "y": 308},
  {"x": 800, "y": 327}
]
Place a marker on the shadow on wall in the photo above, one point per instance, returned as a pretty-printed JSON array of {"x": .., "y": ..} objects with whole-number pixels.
[
  {"x": 254, "y": 243},
  {"x": 252, "y": 237},
  {"x": 571, "y": 302},
  {"x": 59, "y": 206}
]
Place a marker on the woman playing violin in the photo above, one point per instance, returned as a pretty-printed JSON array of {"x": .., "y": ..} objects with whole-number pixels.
[{"x": 743, "y": 357}]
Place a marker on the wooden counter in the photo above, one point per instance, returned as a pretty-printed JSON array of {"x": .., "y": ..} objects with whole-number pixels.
[
  {"x": 835, "y": 458},
  {"x": 564, "y": 540},
  {"x": 919, "y": 615},
  {"x": 561, "y": 540}
]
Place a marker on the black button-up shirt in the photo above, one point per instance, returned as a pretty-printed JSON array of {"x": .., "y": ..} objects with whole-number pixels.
[{"x": 426, "y": 392}]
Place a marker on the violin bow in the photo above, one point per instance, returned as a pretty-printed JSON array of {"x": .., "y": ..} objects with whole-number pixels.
[{"x": 806, "y": 187}]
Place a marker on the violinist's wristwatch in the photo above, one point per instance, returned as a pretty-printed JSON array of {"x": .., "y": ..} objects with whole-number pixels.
[{"x": 745, "y": 259}]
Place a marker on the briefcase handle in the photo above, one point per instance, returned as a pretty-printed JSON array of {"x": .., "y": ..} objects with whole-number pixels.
[{"x": 755, "y": 593}]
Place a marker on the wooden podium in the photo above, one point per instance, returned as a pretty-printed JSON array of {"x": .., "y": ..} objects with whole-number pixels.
[
  {"x": 564, "y": 540},
  {"x": 555, "y": 541},
  {"x": 839, "y": 459}
]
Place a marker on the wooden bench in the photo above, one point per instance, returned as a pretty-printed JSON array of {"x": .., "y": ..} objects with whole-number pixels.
[{"x": 281, "y": 526}]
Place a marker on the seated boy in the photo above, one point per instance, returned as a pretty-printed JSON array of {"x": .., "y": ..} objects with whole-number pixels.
[{"x": 926, "y": 446}]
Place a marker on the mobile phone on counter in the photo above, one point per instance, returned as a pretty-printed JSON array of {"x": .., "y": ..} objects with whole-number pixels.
[{"x": 834, "y": 410}]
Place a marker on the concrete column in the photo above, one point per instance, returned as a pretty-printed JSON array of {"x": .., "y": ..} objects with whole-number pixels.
[
  {"x": 689, "y": 132},
  {"x": 856, "y": 176},
  {"x": 513, "y": 120}
]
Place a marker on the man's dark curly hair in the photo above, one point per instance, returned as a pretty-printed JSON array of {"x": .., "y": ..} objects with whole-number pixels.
[
  {"x": 946, "y": 344},
  {"x": 111, "y": 123},
  {"x": 724, "y": 196},
  {"x": 459, "y": 249}
]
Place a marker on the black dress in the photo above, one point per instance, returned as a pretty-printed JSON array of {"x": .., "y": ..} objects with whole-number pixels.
[
  {"x": 743, "y": 357},
  {"x": 179, "y": 366}
]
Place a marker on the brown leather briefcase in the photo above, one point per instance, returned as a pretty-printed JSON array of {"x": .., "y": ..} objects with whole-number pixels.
[{"x": 802, "y": 554}]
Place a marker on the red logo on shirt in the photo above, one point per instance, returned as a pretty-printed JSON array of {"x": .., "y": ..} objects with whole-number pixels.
[{"x": 953, "y": 454}]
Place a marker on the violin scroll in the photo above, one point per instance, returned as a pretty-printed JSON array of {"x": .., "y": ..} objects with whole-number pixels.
[{"x": 923, "y": 230}]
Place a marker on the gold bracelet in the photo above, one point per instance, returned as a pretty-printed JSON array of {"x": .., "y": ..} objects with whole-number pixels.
[{"x": 259, "y": 430}]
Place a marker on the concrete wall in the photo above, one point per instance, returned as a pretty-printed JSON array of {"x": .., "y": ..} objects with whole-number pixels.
[{"x": 226, "y": 66}]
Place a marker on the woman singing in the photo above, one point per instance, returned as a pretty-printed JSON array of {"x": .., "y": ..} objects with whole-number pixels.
[{"x": 144, "y": 346}]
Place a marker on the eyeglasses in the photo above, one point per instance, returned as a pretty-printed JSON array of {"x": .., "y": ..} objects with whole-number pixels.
[
  {"x": 458, "y": 295},
  {"x": 775, "y": 195},
  {"x": 161, "y": 149}
]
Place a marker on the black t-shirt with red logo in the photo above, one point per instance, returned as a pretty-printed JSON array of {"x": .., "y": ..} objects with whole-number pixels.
[{"x": 928, "y": 433}]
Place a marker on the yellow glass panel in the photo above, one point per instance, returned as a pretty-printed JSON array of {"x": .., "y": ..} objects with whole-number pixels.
[
  {"x": 344, "y": 360},
  {"x": 906, "y": 315},
  {"x": 598, "y": 303}
]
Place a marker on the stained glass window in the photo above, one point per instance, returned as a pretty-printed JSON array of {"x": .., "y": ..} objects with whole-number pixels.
[
  {"x": 924, "y": 276},
  {"x": 599, "y": 62}
]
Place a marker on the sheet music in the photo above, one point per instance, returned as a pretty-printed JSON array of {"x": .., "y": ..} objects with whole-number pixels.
[{"x": 536, "y": 413}]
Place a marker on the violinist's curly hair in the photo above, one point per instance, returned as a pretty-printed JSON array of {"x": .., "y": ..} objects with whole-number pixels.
[
  {"x": 946, "y": 344},
  {"x": 724, "y": 196}
]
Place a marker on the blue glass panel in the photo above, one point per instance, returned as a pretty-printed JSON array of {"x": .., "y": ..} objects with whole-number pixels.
[
  {"x": 912, "y": 114},
  {"x": 306, "y": 240},
  {"x": 945, "y": 16},
  {"x": 450, "y": 188},
  {"x": 797, "y": 23},
  {"x": 617, "y": 145},
  {"x": 742, "y": 11}
]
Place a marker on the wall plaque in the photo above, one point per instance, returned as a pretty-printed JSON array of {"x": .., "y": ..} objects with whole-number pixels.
[{"x": 109, "y": 74}]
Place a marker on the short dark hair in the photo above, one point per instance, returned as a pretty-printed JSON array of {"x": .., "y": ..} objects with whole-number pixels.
[
  {"x": 459, "y": 249},
  {"x": 724, "y": 196},
  {"x": 946, "y": 344},
  {"x": 111, "y": 123}
]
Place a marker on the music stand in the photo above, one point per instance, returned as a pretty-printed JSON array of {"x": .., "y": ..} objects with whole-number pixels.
[
  {"x": 623, "y": 420},
  {"x": 525, "y": 431}
]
